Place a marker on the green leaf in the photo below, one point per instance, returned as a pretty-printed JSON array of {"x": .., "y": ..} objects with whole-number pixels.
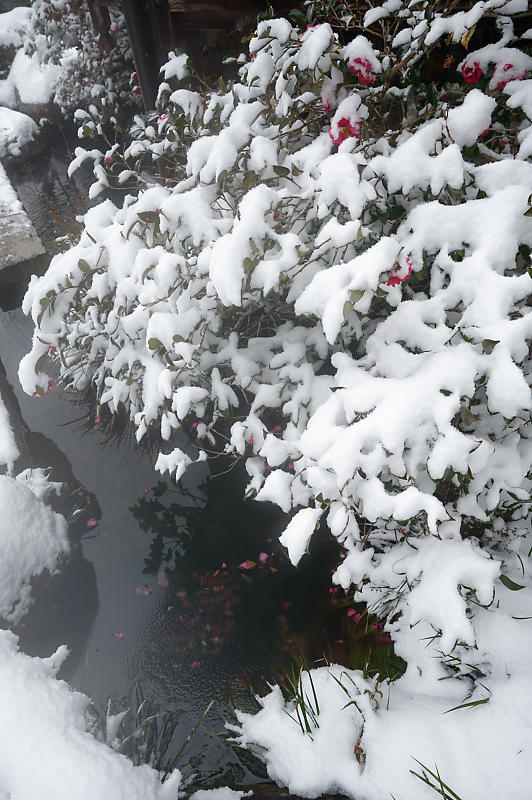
[
  {"x": 148, "y": 216},
  {"x": 40, "y": 363},
  {"x": 510, "y": 584},
  {"x": 394, "y": 212},
  {"x": 296, "y": 171},
  {"x": 468, "y": 419},
  {"x": 281, "y": 171},
  {"x": 356, "y": 295},
  {"x": 348, "y": 307},
  {"x": 147, "y": 272},
  {"x": 528, "y": 212},
  {"x": 488, "y": 345},
  {"x": 221, "y": 85},
  {"x": 154, "y": 344},
  {"x": 472, "y": 704},
  {"x": 83, "y": 265}
]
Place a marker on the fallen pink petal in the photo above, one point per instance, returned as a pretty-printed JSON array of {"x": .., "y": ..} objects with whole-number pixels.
[
  {"x": 145, "y": 590},
  {"x": 118, "y": 635},
  {"x": 91, "y": 523}
]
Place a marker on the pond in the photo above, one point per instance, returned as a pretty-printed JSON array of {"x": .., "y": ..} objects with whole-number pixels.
[{"x": 183, "y": 589}]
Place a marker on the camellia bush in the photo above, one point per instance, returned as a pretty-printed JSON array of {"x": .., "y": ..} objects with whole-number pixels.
[
  {"x": 325, "y": 265},
  {"x": 90, "y": 70}
]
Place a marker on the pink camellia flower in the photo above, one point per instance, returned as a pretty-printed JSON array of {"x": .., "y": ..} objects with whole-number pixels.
[
  {"x": 113, "y": 29},
  {"x": 224, "y": 565},
  {"x": 107, "y": 159},
  {"x": 263, "y": 557},
  {"x": 346, "y": 129},
  {"x": 326, "y": 103},
  {"x": 481, "y": 135},
  {"x": 137, "y": 90},
  {"x": 395, "y": 280},
  {"x": 162, "y": 120},
  {"x": 472, "y": 74},
  {"x": 133, "y": 77},
  {"x": 507, "y": 68},
  {"x": 195, "y": 665},
  {"x": 361, "y": 68},
  {"x": 253, "y": 56}
]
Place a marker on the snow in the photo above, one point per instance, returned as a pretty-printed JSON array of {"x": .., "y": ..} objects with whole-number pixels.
[
  {"x": 29, "y": 81},
  {"x": 32, "y": 538},
  {"x": 46, "y": 748},
  {"x": 13, "y": 25},
  {"x": 16, "y": 131},
  {"x": 391, "y": 725}
]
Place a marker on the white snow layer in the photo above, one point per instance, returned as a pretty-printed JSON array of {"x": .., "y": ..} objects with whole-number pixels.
[
  {"x": 16, "y": 131},
  {"x": 13, "y": 24},
  {"x": 32, "y": 539},
  {"x": 46, "y": 750}
]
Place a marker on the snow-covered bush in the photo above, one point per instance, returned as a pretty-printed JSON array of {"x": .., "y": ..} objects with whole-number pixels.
[
  {"x": 329, "y": 264},
  {"x": 61, "y": 34}
]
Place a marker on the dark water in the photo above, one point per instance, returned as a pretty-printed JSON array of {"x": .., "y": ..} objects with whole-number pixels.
[
  {"x": 201, "y": 631},
  {"x": 182, "y": 588}
]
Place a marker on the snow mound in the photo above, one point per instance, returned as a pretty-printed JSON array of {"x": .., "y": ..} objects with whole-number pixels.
[
  {"x": 13, "y": 25},
  {"x": 46, "y": 750},
  {"x": 16, "y": 131},
  {"x": 32, "y": 539}
]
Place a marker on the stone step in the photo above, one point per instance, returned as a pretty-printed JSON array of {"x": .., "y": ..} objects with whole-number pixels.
[{"x": 21, "y": 251}]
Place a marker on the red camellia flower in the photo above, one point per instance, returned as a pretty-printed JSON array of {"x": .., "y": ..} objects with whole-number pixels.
[
  {"x": 472, "y": 74},
  {"x": 137, "y": 90},
  {"x": 395, "y": 280},
  {"x": 507, "y": 68},
  {"x": 361, "y": 67},
  {"x": 346, "y": 129}
]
